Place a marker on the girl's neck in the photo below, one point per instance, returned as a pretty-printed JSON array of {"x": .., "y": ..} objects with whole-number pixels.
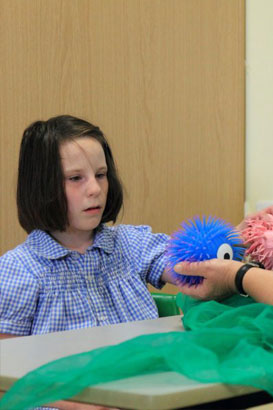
[{"x": 74, "y": 241}]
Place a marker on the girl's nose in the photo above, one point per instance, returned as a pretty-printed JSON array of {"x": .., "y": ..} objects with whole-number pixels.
[{"x": 93, "y": 187}]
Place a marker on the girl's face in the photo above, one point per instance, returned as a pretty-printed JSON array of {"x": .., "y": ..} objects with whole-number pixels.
[{"x": 86, "y": 184}]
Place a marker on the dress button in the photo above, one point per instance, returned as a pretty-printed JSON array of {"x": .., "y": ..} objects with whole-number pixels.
[{"x": 75, "y": 255}]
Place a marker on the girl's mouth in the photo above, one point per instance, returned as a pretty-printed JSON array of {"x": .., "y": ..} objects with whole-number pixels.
[{"x": 92, "y": 210}]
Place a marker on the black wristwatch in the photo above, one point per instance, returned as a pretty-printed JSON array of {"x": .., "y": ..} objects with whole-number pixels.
[{"x": 240, "y": 276}]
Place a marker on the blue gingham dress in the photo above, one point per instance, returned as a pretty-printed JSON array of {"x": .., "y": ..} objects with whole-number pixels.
[{"x": 45, "y": 287}]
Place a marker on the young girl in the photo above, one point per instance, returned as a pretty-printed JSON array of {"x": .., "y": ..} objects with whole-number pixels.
[{"x": 73, "y": 271}]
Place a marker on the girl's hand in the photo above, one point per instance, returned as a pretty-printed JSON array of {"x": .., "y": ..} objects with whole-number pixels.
[
  {"x": 219, "y": 278},
  {"x": 71, "y": 405}
]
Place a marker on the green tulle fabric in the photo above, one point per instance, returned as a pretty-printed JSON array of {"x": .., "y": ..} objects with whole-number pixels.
[{"x": 230, "y": 342}]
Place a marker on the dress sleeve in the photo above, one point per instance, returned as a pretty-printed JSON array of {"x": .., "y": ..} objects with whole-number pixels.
[
  {"x": 151, "y": 257},
  {"x": 19, "y": 291}
]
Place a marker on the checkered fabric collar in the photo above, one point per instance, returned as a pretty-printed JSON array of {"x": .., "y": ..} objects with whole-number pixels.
[{"x": 44, "y": 245}]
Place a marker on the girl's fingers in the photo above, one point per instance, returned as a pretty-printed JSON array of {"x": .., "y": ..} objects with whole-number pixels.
[{"x": 187, "y": 268}]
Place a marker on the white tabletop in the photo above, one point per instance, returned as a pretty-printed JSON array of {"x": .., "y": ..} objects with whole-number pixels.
[
  {"x": 20, "y": 355},
  {"x": 166, "y": 390}
]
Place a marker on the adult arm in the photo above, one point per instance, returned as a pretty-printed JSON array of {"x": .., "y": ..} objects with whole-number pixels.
[{"x": 219, "y": 280}]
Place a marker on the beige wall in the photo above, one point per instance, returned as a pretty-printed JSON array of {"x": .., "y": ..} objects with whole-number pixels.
[
  {"x": 164, "y": 79},
  {"x": 259, "y": 104}
]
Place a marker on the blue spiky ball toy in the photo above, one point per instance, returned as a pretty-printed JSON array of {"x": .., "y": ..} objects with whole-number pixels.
[{"x": 200, "y": 239}]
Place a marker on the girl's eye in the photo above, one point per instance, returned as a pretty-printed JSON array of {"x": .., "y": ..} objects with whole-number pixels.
[
  {"x": 101, "y": 176},
  {"x": 74, "y": 178},
  {"x": 225, "y": 251}
]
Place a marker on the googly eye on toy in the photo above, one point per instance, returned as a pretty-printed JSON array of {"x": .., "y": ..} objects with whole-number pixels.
[{"x": 201, "y": 239}]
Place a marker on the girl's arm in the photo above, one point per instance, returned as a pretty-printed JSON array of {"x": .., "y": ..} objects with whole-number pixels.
[{"x": 219, "y": 280}]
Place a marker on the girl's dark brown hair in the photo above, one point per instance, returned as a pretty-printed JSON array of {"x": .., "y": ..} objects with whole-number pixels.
[{"x": 41, "y": 199}]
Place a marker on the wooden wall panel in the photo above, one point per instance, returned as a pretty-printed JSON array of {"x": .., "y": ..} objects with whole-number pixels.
[{"x": 163, "y": 78}]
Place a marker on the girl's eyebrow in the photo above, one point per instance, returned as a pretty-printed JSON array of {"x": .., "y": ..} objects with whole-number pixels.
[
  {"x": 76, "y": 170},
  {"x": 68, "y": 170}
]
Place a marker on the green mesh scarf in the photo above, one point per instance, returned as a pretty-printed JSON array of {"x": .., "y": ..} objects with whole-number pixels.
[{"x": 230, "y": 342}]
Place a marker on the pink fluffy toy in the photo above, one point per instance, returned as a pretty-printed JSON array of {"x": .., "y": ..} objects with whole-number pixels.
[{"x": 258, "y": 235}]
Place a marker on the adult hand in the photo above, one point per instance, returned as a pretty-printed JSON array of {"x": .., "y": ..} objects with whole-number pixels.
[{"x": 219, "y": 278}]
